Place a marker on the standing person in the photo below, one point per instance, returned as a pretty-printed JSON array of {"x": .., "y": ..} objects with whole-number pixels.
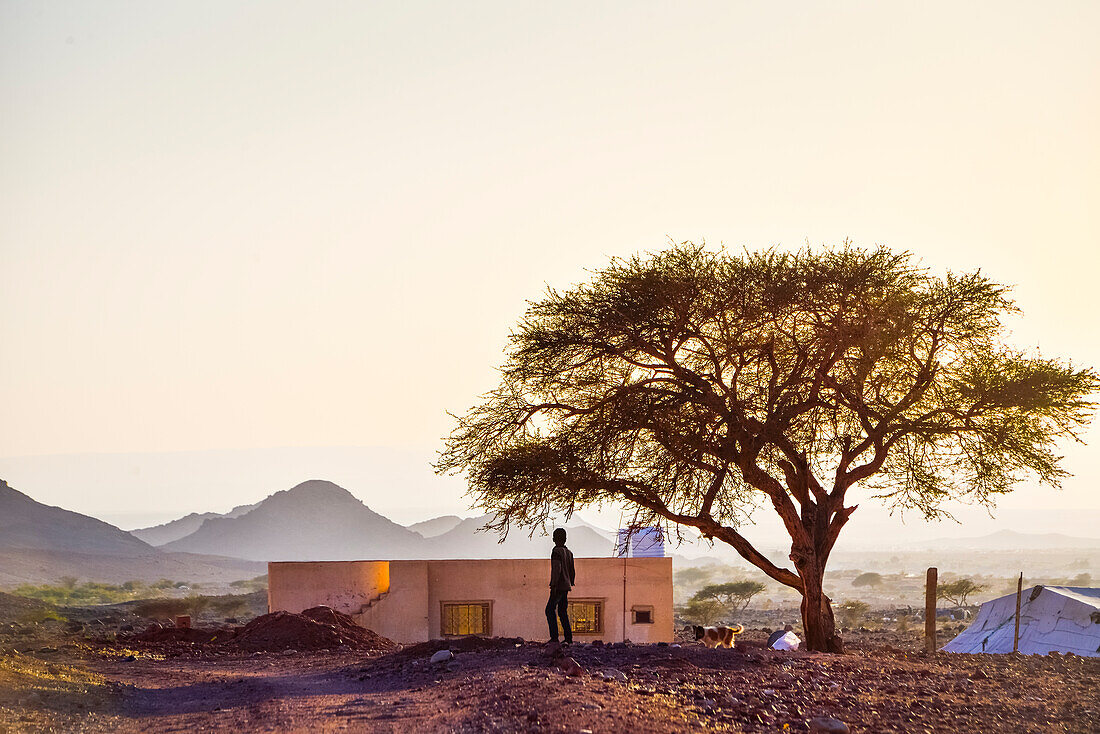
[{"x": 562, "y": 578}]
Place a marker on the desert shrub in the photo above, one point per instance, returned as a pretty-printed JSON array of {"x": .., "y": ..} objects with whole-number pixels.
[
  {"x": 161, "y": 607},
  {"x": 853, "y": 612},
  {"x": 253, "y": 584},
  {"x": 229, "y": 606},
  {"x": 34, "y": 616},
  {"x": 193, "y": 605},
  {"x": 74, "y": 594}
]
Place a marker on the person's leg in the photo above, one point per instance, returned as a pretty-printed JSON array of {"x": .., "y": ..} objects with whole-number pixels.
[
  {"x": 563, "y": 615},
  {"x": 551, "y": 606}
]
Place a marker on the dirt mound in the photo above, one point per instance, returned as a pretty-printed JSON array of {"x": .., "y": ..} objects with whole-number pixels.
[
  {"x": 319, "y": 628},
  {"x": 287, "y": 631},
  {"x": 328, "y": 615}
]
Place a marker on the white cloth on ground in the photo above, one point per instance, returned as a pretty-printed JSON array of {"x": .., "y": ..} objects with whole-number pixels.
[{"x": 788, "y": 641}]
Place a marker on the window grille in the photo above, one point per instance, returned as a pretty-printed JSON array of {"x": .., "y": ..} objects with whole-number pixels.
[
  {"x": 465, "y": 618},
  {"x": 586, "y": 616}
]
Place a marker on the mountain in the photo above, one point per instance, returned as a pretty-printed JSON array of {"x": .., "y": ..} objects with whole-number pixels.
[
  {"x": 29, "y": 525},
  {"x": 436, "y": 526},
  {"x": 313, "y": 521},
  {"x": 1012, "y": 540},
  {"x": 180, "y": 528},
  {"x": 42, "y": 544},
  {"x": 466, "y": 540}
]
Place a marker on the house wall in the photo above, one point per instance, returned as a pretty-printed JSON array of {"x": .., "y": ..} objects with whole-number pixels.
[
  {"x": 410, "y": 608},
  {"x": 345, "y": 586},
  {"x": 402, "y": 613}
]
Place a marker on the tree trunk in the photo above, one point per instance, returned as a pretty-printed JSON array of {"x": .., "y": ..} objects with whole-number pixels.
[{"x": 817, "y": 611}]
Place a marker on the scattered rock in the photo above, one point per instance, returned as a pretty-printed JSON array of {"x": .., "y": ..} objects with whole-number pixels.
[
  {"x": 571, "y": 667},
  {"x": 443, "y": 656},
  {"x": 827, "y": 725},
  {"x": 613, "y": 674}
]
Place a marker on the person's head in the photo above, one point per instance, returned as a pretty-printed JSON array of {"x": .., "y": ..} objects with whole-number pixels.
[
  {"x": 788, "y": 628},
  {"x": 559, "y": 536}
]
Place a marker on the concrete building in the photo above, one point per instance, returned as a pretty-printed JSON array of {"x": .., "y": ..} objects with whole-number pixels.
[{"x": 413, "y": 601}]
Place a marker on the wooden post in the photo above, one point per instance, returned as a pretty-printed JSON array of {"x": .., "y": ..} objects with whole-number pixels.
[
  {"x": 930, "y": 610},
  {"x": 1016, "y": 633}
]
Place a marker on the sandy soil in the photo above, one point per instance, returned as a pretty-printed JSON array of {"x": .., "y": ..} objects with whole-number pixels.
[{"x": 52, "y": 679}]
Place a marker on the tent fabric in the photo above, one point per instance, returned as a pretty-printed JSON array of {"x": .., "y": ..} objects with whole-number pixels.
[
  {"x": 788, "y": 641},
  {"x": 1052, "y": 619}
]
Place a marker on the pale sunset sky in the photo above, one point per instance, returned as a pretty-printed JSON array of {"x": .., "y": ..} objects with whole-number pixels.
[{"x": 249, "y": 225}]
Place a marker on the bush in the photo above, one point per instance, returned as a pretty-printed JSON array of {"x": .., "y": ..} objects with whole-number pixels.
[
  {"x": 229, "y": 606},
  {"x": 36, "y": 616},
  {"x": 70, "y": 593},
  {"x": 253, "y": 584},
  {"x": 853, "y": 612}
]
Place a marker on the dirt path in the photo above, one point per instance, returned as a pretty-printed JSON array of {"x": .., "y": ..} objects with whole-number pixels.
[{"x": 508, "y": 687}]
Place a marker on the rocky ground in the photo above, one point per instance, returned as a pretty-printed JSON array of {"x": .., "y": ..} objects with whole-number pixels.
[{"x": 54, "y": 677}]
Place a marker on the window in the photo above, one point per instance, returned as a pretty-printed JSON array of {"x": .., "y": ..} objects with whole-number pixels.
[
  {"x": 641, "y": 615},
  {"x": 465, "y": 618},
  {"x": 586, "y": 616}
]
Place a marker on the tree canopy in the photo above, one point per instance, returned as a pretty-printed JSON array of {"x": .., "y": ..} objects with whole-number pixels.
[
  {"x": 696, "y": 386},
  {"x": 870, "y": 578},
  {"x": 956, "y": 592},
  {"x": 735, "y": 594}
]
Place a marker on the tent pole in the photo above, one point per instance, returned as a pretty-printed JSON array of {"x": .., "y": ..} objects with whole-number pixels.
[
  {"x": 1016, "y": 633},
  {"x": 930, "y": 610}
]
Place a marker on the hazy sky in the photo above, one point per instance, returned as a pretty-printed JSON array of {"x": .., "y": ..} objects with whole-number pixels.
[{"x": 235, "y": 225}]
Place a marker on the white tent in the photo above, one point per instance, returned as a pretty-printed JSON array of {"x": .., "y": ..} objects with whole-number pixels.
[{"x": 1052, "y": 619}]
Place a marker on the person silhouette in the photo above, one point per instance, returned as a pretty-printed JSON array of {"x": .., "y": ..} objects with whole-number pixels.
[{"x": 563, "y": 577}]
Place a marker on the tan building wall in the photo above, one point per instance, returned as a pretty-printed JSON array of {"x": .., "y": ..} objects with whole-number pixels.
[{"x": 404, "y": 601}]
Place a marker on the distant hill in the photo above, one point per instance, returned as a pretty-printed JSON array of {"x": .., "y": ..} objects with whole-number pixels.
[
  {"x": 21, "y": 566},
  {"x": 1012, "y": 540},
  {"x": 466, "y": 540},
  {"x": 313, "y": 521},
  {"x": 29, "y": 525},
  {"x": 41, "y": 544},
  {"x": 167, "y": 532},
  {"x": 436, "y": 526}
]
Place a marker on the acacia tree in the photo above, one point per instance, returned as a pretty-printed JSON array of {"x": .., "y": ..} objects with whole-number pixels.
[
  {"x": 694, "y": 386},
  {"x": 734, "y": 594},
  {"x": 957, "y": 591}
]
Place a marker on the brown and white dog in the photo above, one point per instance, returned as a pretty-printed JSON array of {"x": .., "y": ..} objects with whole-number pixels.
[{"x": 717, "y": 636}]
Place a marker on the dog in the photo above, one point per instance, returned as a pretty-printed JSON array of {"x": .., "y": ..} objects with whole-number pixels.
[{"x": 718, "y": 636}]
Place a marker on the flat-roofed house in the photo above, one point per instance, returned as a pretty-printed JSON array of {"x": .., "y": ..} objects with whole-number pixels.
[{"x": 412, "y": 601}]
